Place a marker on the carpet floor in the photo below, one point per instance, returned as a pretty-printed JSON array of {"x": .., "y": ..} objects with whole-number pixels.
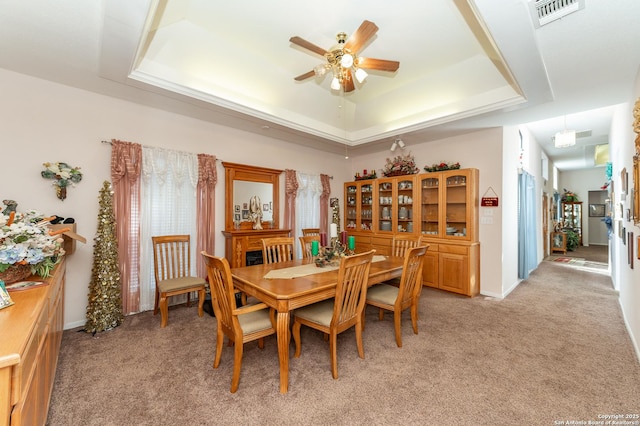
[{"x": 554, "y": 351}]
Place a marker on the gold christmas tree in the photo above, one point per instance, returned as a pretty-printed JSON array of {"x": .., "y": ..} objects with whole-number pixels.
[{"x": 105, "y": 295}]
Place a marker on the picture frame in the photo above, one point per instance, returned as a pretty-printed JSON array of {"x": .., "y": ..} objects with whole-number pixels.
[
  {"x": 638, "y": 248},
  {"x": 236, "y": 208},
  {"x": 265, "y": 207},
  {"x": 624, "y": 179},
  {"x": 596, "y": 210},
  {"x": 245, "y": 206},
  {"x": 245, "y": 214},
  {"x": 630, "y": 250},
  {"x": 236, "y": 217}
]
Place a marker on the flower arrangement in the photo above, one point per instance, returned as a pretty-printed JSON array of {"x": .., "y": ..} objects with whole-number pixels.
[
  {"x": 569, "y": 196},
  {"x": 400, "y": 165},
  {"x": 63, "y": 175},
  {"x": 331, "y": 255},
  {"x": 25, "y": 239},
  {"x": 438, "y": 167},
  {"x": 365, "y": 175}
]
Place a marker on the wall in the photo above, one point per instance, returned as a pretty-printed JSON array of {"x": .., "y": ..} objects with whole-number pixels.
[
  {"x": 482, "y": 150},
  {"x": 581, "y": 182},
  {"x": 44, "y": 121},
  {"x": 596, "y": 227},
  {"x": 625, "y": 279}
]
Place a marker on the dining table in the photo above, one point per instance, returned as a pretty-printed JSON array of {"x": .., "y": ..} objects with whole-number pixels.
[{"x": 285, "y": 286}]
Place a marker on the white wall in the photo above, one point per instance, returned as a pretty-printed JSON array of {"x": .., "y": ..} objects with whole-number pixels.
[
  {"x": 581, "y": 182},
  {"x": 621, "y": 151},
  {"x": 44, "y": 121},
  {"x": 482, "y": 150}
]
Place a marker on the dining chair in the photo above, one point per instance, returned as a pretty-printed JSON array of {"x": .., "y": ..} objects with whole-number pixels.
[
  {"x": 240, "y": 325},
  {"x": 310, "y": 231},
  {"x": 305, "y": 244},
  {"x": 172, "y": 270},
  {"x": 277, "y": 249},
  {"x": 399, "y": 246},
  {"x": 406, "y": 295},
  {"x": 333, "y": 316}
]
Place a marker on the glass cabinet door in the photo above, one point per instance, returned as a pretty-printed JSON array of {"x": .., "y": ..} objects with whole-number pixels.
[
  {"x": 429, "y": 217},
  {"x": 386, "y": 212},
  {"x": 404, "y": 213},
  {"x": 366, "y": 207},
  {"x": 351, "y": 210},
  {"x": 456, "y": 204}
]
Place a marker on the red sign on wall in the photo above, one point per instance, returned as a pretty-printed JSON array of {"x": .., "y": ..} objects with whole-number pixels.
[{"x": 489, "y": 201}]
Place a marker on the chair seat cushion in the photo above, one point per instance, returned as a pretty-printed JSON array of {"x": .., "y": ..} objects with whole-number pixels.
[
  {"x": 320, "y": 312},
  {"x": 383, "y": 293},
  {"x": 179, "y": 283},
  {"x": 254, "y": 321}
]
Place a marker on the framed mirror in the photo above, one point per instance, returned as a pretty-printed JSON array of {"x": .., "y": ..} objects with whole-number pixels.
[{"x": 244, "y": 187}]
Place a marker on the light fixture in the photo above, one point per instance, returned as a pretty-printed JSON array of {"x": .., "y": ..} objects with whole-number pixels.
[
  {"x": 343, "y": 64},
  {"x": 565, "y": 138},
  {"x": 400, "y": 143},
  {"x": 394, "y": 145}
]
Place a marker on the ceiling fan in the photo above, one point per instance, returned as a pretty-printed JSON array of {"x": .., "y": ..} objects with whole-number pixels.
[{"x": 343, "y": 59}]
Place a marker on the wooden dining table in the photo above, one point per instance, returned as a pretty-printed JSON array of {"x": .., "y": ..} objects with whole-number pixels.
[{"x": 286, "y": 294}]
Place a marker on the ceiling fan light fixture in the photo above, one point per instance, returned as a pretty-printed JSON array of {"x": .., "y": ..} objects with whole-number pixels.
[
  {"x": 320, "y": 70},
  {"x": 335, "y": 83},
  {"x": 361, "y": 75},
  {"x": 565, "y": 138},
  {"x": 346, "y": 61}
]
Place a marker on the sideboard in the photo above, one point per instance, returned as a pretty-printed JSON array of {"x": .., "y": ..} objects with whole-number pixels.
[
  {"x": 31, "y": 332},
  {"x": 238, "y": 243}
]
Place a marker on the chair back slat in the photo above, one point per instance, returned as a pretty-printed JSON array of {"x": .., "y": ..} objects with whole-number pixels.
[
  {"x": 277, "y": 249},
  {"x": 401, "y": 243},
  {"x": 222, "y": 291},
  {"x": 310, "y": 231},
  {"x": 305, "y": 244},
  {"x": 172, "y": 256},
  {"x": 411, "y": 281},
  {"x": 350, "y": 298}
]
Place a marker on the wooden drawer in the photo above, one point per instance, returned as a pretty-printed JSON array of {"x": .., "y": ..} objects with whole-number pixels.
[
  {"x": 433, "y": 248},
  {"x": 445, "y": 248}
]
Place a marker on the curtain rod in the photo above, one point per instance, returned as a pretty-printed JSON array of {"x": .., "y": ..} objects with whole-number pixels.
[{"x": 217, "y": 159}]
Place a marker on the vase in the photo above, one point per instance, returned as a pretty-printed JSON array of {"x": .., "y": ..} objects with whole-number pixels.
[
  {"x": 61, "y": 192},
  {"x": 15, "y": 273}
]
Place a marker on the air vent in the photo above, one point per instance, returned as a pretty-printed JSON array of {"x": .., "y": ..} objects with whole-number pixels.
[{"x": 546, "y": 11}]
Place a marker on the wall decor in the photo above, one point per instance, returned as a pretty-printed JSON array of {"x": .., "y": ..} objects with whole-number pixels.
[
  {"x": 596, "y": 210},
  {"x": 630, "y": 250},
  {"x": 63, "y": 176}
]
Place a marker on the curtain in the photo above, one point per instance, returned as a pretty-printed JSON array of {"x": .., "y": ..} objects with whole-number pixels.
[
  {"x": 206, "y": 209},
  {"x": 324, "y": 203},
  {"x": 126, "y": 162},
  {"x": 527, "y": 234},
  {"x": 169, "y": 180},
  {"x": 290, "y": 191},
  {"x": 307, "y": 203}
]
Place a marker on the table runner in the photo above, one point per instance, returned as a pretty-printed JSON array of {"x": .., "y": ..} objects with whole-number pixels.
[{"x": 303, "y": 270}]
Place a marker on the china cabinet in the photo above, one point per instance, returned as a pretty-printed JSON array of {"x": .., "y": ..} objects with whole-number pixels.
[
  {"x": 442, "y": 207},
  {"x": 559, "y": 242},
  {"x": 572, "y": 217},
  {"x": 448, "y": 221}
]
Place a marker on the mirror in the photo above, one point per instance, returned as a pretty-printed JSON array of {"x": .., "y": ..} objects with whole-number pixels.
[{"x": 245, "y": 188}]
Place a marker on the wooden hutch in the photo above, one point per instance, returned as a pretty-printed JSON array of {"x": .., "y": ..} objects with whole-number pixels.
[{"x": 442, "y": 207}]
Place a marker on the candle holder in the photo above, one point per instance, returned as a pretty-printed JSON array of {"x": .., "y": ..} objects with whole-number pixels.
[{"x": 331, "y": 254}]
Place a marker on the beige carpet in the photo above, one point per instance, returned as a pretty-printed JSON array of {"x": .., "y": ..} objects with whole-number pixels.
[{"x": 555, "y": 350}]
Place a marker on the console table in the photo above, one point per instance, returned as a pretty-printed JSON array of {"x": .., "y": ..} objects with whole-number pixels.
[
  {"x": 239, "y": 242},
  {"x": 31, "y": 335}
]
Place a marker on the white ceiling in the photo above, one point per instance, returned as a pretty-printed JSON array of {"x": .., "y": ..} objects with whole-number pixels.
[{"x": 463, "y": 66}]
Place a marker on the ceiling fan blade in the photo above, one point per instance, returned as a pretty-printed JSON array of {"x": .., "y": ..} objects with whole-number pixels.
[
  {"x": 378, "y": 64},
  {"x": 307, "y": 45},
  {"x": 362, "y": 35},
  {"x": 347, "y": 82},
  {"x": 305, "y": 76}
]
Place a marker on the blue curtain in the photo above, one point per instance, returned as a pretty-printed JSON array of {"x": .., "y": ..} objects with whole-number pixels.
[{"x": 527, "y": 231}]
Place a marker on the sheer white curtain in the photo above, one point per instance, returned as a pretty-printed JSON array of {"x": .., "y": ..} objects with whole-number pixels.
[
  {"x": 307, "y": 204},
  {"x": 168, "y": 207}
]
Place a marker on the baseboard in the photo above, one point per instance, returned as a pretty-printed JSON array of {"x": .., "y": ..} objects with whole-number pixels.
[
  {"x": 75, "y": 324},
  {"x": 634, "y": 342},
  {"x": 503, "y": 294}
]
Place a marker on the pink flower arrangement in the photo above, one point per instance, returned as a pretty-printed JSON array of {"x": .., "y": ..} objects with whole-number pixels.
[{"x": 400, "y": 165}]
